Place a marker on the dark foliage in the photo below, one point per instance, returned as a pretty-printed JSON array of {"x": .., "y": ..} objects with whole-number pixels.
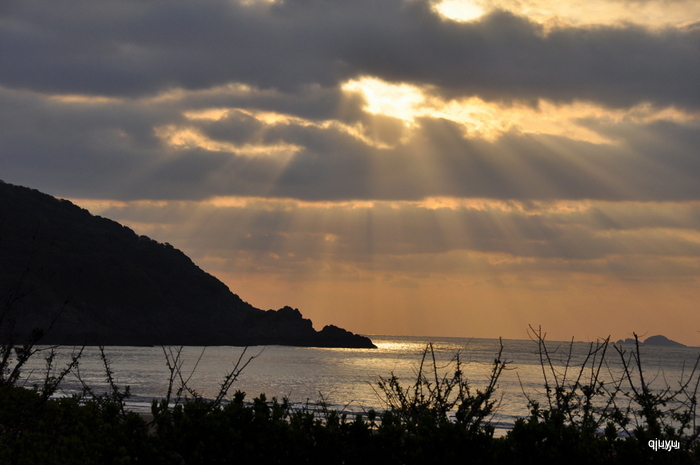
[{"x": 439, "y": 418}]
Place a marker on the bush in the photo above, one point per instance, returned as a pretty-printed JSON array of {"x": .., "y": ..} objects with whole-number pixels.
[{"x": 438, "y": 417}]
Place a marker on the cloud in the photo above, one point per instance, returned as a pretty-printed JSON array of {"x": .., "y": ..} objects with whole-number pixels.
[
  {"x": 623, "y": 240},
  {"x": 437, "y": 159},
  {"x": 157, "y": 149},
  {"x": 142, "y": 48}
]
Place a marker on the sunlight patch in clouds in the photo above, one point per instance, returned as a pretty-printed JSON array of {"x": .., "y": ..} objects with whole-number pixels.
[
  {"x": 397, "y": 100},
  {"x": 678, "y": 13},
  {"x": 184, "y": 138},
  {"x": 84, "y": 99},
  {"x": 174, "y": 94},
  {"x": 284, "y": 204},
  {"x": 460, "y": 10},
  {"x": 489, "y": 120},
  {"x": 484, "y": 204},
  {"x": 209, "y": 114}
]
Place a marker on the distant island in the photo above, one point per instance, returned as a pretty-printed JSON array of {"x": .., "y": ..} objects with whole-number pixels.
[
  {"x": 84, "y": 279},
  {"x": 657, "y": 340}
]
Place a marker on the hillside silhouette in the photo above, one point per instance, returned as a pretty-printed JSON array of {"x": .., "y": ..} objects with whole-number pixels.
[{"x": 86, "y": 279}]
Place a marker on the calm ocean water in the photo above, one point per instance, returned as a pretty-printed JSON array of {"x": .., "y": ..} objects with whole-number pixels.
[{"x": 346, "y": 379}]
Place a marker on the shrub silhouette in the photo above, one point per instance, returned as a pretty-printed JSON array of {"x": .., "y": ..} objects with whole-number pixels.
[{"x": 436, "y": 418}]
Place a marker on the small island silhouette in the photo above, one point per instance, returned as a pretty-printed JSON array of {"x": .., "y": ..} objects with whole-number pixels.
[{"x": 657, "y": 340}]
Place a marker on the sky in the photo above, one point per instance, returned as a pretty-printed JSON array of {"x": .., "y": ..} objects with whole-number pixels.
[{"x": 408, "y": 167}]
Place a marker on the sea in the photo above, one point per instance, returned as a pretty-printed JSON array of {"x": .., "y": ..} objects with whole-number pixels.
[{"x": 347, "y": 379}]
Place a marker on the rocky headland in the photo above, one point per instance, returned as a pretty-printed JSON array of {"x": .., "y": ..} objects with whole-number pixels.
[{"x": 84, "y": 279}]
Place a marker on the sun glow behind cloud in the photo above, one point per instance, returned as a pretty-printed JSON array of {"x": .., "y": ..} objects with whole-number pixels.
[
  {"x": 679, "y": 13},
  {"x": 460, "y": 10},
  {"x": 491, "y": 119},
  {"x": 396, "y": 100}
]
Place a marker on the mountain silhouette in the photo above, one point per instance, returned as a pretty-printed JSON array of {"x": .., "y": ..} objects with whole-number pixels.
[{"x": 81, "y": 278}]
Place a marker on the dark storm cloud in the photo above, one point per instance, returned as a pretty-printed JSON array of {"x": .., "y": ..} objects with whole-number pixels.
[{"x": 135, "y": 48}]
